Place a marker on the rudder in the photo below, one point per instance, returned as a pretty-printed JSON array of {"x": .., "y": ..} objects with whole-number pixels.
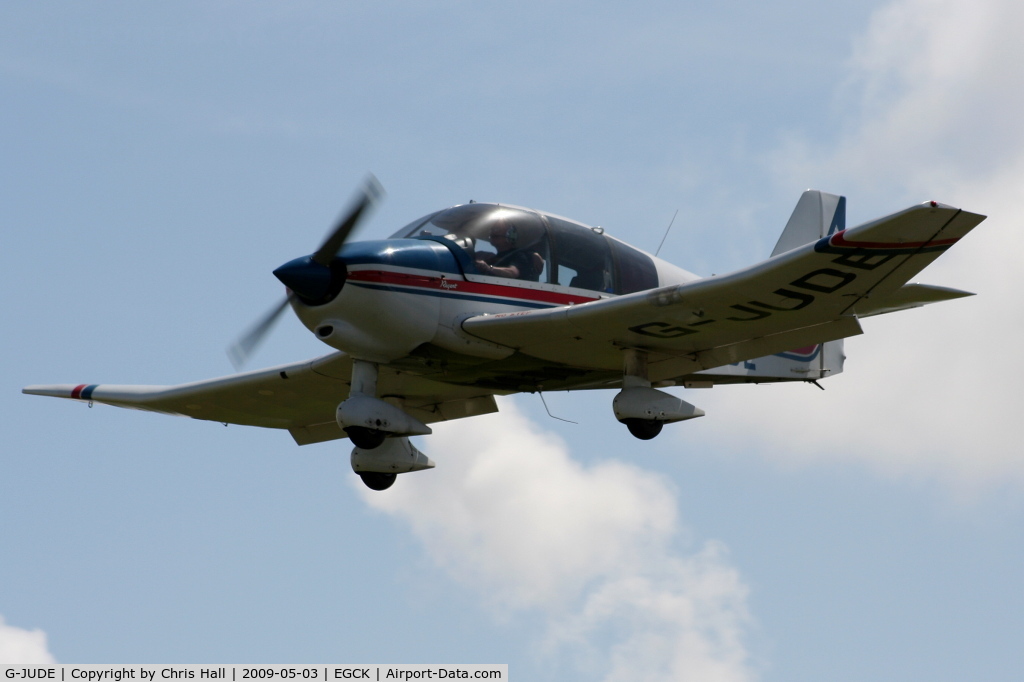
[{"x": 817, "y": 214}]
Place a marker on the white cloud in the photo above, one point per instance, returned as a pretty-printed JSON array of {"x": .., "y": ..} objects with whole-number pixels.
[
  {"x": 593, "y": 549},
  {"x": 931, "y": 98},
  {"x": 684, "y": 622},
  {"x": 24, "y": 647},
  {"x": 932, "y": 392}
]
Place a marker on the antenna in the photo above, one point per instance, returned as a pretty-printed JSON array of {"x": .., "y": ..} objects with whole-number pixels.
[
  {"x": 541, "y": 394},
  {"x": 666, "y": 233}
]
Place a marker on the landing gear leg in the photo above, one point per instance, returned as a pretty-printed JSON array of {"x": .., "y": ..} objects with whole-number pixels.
[
  {"x": 642, "y": 408},
  {"x": 634, "y": 375},
  {"x": 364, "y": 382},
  {"x": 380, "y": 431}
]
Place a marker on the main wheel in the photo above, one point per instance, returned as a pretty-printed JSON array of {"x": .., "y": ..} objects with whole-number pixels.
[
  {"x": 644, "y": 429},
  {"x": 364, "y": 438},
  {"x": 376, "y": 480}
]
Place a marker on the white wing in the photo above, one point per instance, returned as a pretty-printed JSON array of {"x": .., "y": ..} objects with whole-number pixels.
[
  {"x": 808, "y": 295},
  {"x": 301, "y": 397}
]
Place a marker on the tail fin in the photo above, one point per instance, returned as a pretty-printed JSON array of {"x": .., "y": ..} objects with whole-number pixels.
[{"x": 817, "y": 214}]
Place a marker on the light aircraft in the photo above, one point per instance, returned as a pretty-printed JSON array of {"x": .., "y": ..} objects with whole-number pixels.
[{"x": 484, "y": 299}]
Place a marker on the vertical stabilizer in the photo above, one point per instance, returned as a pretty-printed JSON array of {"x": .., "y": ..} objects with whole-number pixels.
[{"x": 817, "y": 214}]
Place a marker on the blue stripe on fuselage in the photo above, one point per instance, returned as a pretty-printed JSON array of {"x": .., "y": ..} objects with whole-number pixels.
[{"x": 800, "y": 358}]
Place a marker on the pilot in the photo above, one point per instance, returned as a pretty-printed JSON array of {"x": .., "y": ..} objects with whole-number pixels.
[{"x": 508, "y": 261}]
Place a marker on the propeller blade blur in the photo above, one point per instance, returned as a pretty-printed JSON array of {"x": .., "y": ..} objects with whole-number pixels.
[
  {"x": 371, "y": 192},
  {"x": 240, "y": 351},
  {"x": 313, "y": 280}
]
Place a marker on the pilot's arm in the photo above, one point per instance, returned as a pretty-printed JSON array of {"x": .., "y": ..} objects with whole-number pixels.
[{"x": 485, "y": 268}]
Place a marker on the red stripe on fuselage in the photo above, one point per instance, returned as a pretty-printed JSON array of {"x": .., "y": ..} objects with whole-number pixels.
[
  {"x": 76, "y": 392},
  {"x": 465, "y": 286}
]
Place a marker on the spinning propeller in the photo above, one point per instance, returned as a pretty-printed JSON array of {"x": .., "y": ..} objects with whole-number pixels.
[{"x": 314, "y": 279}]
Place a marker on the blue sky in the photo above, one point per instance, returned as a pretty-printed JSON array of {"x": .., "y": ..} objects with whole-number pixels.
[{"x": 159, "y": 161}]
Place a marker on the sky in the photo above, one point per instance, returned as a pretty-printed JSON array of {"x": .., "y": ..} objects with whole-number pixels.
[{"x": 157, "y": 162}]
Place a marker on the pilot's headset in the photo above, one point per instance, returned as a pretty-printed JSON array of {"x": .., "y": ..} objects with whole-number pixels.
[{"x": 509, "y": 231}]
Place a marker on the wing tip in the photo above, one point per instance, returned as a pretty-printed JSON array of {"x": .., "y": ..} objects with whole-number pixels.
[{"x": 73, "y": 391}]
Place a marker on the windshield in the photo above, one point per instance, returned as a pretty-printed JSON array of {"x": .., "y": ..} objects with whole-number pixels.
[{"x": 502, "y": 241}]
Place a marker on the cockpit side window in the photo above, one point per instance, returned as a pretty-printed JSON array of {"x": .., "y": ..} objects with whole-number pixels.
[
  {"x": 582, "y": 257},
  {"x": 501, "y": 241},
  {"x": 511, "y": 243},
  {"x": 636, "y": 270}
]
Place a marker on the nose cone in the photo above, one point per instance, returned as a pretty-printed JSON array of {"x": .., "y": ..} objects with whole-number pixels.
[{"x": 311, "y": 282}]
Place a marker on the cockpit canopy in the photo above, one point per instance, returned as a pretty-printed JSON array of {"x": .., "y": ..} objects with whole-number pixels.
[{"x": 522, "y": 244}]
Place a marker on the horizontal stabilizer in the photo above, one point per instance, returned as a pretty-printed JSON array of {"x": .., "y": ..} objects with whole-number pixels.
[{"x": 906, "y": 297}]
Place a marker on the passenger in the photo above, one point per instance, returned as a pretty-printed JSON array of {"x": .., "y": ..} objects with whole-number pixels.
[{"x": 508, "y": 261}]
